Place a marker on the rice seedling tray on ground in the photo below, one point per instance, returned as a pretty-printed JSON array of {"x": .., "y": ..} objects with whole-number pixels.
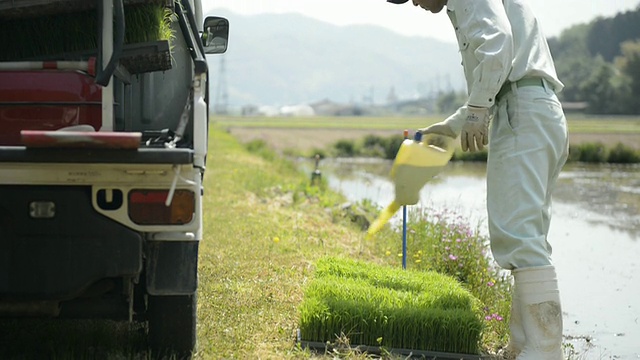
[
  {"x": 379, "y": 308},
  {"x": 328, "y": 348},
  {"x": 30, "y": 8}
]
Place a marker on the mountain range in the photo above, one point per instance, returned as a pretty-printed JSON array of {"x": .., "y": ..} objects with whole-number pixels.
[{"x": 290, "y": 59}]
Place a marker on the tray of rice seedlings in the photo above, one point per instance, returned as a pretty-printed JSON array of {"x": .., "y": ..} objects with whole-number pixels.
[
  {"x": 74, "y": 36},
  {"x": 377, "y": 309}
]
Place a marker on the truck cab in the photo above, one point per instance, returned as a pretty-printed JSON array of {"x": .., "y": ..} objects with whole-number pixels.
[{"x": 102, "y": 155}]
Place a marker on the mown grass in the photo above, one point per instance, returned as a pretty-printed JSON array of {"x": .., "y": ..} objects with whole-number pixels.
[{"x": 265, "y": 227}]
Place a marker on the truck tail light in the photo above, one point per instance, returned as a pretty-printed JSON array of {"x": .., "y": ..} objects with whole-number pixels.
[{"x": 147, "y": 207}]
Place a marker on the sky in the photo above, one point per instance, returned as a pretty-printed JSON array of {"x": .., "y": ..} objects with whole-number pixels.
[{"x": 406, "y": 19}]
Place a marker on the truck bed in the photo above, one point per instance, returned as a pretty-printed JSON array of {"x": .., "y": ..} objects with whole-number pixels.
[{"x": 31, "y": 8}]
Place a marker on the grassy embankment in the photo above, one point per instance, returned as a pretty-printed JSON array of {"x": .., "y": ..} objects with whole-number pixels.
[
  {"x": 266, "y": 227},
  {"x": 262, "y": 239}
]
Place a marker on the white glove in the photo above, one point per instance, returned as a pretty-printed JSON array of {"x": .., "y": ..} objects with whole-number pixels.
[
  {"x": 475, "y": 131},
  {"x": 450, "y": 127},
  {"x": 440, "y": 128}
]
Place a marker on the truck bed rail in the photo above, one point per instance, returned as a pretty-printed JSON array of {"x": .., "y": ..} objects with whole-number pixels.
[{"x": 21, "y": 154}]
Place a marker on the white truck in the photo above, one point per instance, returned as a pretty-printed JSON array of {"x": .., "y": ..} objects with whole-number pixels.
[{"x": 102, "y": 157}]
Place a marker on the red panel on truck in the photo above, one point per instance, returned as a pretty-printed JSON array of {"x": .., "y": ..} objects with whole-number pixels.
[
  {"x": 46, "y": 100},
  {"x": 81, "y": 139}
]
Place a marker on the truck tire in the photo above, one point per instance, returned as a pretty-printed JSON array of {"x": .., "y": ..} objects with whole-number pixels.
[{"x": 172, "y": 325}]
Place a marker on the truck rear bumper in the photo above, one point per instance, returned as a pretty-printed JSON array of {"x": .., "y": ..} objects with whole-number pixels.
[{"x": 59, "y": 258}]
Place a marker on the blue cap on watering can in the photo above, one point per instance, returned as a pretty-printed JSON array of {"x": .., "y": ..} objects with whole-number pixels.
[{"x": 418, "y": 136}]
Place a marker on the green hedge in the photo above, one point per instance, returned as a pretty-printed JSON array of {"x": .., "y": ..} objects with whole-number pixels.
[
  {"x": 598, "y": 153},
  {"x": 387, "y": 148}
]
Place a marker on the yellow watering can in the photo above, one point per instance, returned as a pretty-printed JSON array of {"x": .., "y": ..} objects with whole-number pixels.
[{"x": 416, "y": 162}]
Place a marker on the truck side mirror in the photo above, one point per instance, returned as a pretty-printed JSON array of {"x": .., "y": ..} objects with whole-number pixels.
[{"x": 215, "y": 36}]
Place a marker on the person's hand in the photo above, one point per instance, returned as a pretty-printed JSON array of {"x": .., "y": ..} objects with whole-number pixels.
[
  {"x": 441, "y": 128},
  {"x": 475, "y": 131},
  {"x": 450, "y": 127}
]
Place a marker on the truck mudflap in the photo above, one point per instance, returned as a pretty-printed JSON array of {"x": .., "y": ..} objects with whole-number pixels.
[
  {"x": 172, "y": 267},
  {"x": 54, "y": 245}
]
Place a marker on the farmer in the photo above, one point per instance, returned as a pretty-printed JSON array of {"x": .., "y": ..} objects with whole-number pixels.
[{"x": 511, "y": 79}]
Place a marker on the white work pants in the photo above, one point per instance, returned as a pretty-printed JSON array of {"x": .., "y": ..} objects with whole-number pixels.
[{"x": 528, "y": 147}]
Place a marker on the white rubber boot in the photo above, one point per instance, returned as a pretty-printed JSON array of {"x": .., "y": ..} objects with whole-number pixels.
[
  {"x": 537, "y": 295},
  {"x": 516, "y": 332}
]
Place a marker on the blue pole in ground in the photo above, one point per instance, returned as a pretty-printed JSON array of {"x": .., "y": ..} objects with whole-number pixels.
[
  {"x": 417, "y": 138},
  {"x": 404, "y": 224},
  {"x": 404, "y": 236}
]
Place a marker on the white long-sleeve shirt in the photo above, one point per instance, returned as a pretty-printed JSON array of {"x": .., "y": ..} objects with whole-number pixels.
[{"x": 499, "y": 41}]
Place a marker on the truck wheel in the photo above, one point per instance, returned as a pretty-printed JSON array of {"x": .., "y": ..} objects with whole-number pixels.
[{"x": 172, "y": 325}]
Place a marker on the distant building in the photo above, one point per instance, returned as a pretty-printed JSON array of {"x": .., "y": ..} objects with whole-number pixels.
[
  {"x": 575, "y": 107},
  {"x": 327, "y": 107},
  {"x": 297, "y": 110},
  {"x": 268, "y": 111}
]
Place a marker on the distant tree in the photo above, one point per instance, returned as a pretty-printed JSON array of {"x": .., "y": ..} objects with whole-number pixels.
[
  {"x": 585, "y": 55},
  {"x": 573, "y": 72},
  {"x": 606, "y": 34},
  {"x": 571, "y": 42},
  {"x": 598, "y": 89},
  {"x": 599, "y": 39},
  {"x": 629, "y": 65},
  {"x": 573, "y": 62}
]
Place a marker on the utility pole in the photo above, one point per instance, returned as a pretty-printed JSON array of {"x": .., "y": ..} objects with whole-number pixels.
[{"x": 222, "y": 96}]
